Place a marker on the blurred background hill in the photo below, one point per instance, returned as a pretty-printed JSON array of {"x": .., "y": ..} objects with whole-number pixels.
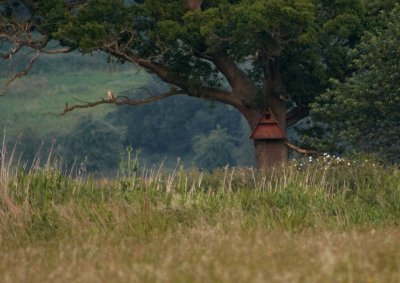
[{"x": 199, "y": 133}]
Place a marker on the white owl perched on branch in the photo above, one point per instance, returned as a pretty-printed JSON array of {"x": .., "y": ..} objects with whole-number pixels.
[{"x": 110, "y": 95}]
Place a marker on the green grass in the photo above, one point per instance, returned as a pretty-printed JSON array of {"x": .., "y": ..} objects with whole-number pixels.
[
  {"x": 29, "y": 99},
  {"x": 324, "y": 221}
]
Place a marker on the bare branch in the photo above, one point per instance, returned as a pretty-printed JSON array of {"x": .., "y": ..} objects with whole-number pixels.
[
  {"x": 8, "y": 55},
  {"x": 22, "y": 37},
  {"x": 16, "y": 45},
  {"x": 56, "y": 51},
  {"x": 119, "y": 101},
  {"x": 302, "y": 151},
  {"x": 20, "y": 74}
]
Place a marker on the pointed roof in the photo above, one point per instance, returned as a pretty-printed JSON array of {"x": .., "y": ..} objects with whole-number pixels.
[{"x": 268, "y": 128}]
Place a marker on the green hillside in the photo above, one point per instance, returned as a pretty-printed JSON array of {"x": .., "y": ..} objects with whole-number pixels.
[{"x": 29, "y": 99}]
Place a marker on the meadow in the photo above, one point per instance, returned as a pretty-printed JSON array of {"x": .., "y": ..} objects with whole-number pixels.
[{"x": 313, "y": 220}]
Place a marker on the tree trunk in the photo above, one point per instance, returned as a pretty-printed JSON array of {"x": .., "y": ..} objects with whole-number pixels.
[{"x": 270, "y": 154}]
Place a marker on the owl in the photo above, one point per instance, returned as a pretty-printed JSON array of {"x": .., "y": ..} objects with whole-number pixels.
[{"x": 110, "y": 95}]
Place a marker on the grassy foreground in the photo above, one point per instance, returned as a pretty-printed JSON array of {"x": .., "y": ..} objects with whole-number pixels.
[{"x": 325, "y": 221}]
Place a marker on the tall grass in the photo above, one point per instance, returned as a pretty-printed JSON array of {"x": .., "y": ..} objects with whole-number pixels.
[
  {"x": 42, "y": 201},
  {"x": 315, "y": 217}
]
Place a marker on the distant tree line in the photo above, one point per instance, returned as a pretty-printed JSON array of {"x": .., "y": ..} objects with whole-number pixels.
[{"x": 200, "y": 134}]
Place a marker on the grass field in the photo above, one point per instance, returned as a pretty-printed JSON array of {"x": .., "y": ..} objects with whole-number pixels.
[{"x": 328, "y": 220}]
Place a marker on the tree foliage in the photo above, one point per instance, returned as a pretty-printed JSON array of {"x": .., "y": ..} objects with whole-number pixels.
[
  {"x": 214, "y": 150},
  {"x": 306, "y": 40},
  {"x": 95, "y": 143},
  {"x": 362, "y": 111}
]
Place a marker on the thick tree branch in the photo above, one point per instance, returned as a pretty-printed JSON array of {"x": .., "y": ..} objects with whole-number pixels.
[
  {"x": 296, "y": 114},
  {"x": 236, "y": 77},
  {"x": 160, "y": 71},
  {"x": 167, "y": 76},
  {"x": 219, "y": 96}
]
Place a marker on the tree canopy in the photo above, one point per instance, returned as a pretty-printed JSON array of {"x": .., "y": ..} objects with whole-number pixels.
[{"x": 235, "y": 42}]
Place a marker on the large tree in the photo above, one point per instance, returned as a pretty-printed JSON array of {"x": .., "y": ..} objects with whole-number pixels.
[{"x": 250, "y": 54}]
